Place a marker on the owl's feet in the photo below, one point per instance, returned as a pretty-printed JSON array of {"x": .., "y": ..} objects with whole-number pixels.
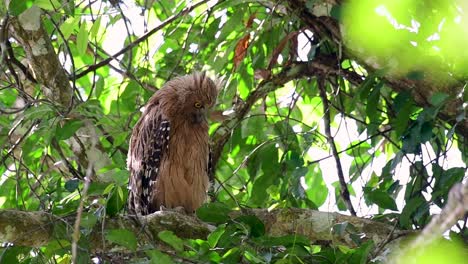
[{"x": 178, "y": 209}]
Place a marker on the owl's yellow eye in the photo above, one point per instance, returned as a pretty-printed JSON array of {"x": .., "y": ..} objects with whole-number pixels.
[{"x": 198, "y": 105}]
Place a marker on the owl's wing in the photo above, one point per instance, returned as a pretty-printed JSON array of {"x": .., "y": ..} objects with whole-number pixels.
[
  {"x": 148, "y": 145},
  {"x": 210, "y": 172},
  {"x": 210, "y": 169}
]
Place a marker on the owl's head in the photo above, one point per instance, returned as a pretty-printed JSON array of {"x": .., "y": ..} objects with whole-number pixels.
[{"x": 191, "y": 96}]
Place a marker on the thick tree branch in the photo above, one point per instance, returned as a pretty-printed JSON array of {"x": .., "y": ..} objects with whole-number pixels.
[
  {"x": 36, "y": 229},
  {"x": 28, "y": 30}
]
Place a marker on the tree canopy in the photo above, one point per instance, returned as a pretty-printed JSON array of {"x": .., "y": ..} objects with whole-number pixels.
[{"x": 339, "y": 131}]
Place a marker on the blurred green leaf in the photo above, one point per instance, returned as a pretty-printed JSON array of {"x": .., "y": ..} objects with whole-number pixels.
[
  {"x": 68, "y": 129},
  {"x": 94, "y": 30},
  {"x": 317, "y": 190},
  {"x": 72, "y": 185},
  {"x": 116, "y": 201},
  {"x": 16, "y": 7},
  {"x": 82, "y": 39},
  {"x": 122, "y": 237},
  {"x": 438, "y": 99},
  {"x": 215, "y": 235},
  {"x": 171, "y": 239},
  {"x": 410, "y": 207},
  {"x": 88, "y": 220},
  {"x": 403, "y": 105},
  {"x": 214, "y": 213},
  {"x": 157, "y": 257},
  {"x": 50, "y": 5},
  {"x": 381, "y": 198},
  {"x": 257, "y": 228}
]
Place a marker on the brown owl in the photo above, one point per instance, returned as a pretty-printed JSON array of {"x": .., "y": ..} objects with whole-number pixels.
[{"x": 169, "y": 154}]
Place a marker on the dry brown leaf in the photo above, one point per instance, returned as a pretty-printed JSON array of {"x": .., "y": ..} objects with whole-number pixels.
[
  {"x": 279, "y": 48},
  {"x": 241, "y": 50}
]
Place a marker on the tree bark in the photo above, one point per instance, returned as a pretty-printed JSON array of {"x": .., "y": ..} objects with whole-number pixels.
[{"x": 36, "y": 229}]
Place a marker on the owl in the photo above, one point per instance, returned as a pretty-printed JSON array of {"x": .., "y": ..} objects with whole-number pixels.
[{"x": 169, "y": 153}]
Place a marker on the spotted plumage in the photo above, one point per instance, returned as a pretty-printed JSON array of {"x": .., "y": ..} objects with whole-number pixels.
[{"x": 169, "y": 157}]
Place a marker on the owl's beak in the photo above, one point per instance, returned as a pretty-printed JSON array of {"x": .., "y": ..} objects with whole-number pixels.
[{"x": 200, "y": 116}]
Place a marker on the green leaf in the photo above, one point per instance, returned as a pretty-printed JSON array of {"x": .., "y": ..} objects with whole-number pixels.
[
  {"x": 13, "y": 254},
  {"x": 116, "y": 201},
  {"x": 82, "y": 39},
  {"x": 381, "y": 198},
  {"x": 157, "y": 257},
  {"x": 403, "y": 105},
  {"x": 317, "y": 190},
  {"x": 88, "y": 220},
  {"x": 371, "y": 109},
  {"x": 232, "y": 256},
  {"x": 336, "y": 12},
  {"x": 16, "y": 7},
  {"x": 259, "y": 190},
  {"x": 50, "y": 5},
  {"x": 95, "y": 28},
  {"x": 171, "y": 239},
  {"x": 69, "y": 26},
  {"x": 215, "y": 235},
  {"x": 121, "y": 177},
  {"x": 41, "y": 111},
  {"x": 8, "y": 96},
  {"x": 99, "y": 87},
  {"x": 359, "y": 150},
  {"x": 257, "y": 228},
  {"x": 437, "y": 99},
  {"x": 410, "y": 207},
  {"x": 122, "y": 237},
  {"x": 361, "y": 254},
  {"x": 72, "y": 185},
  {"x": 214, "y": 213},
  {"x": 68, "y": 129},
  {"x": 286, "y": 241},
  {"x": 415, "y": 75}
]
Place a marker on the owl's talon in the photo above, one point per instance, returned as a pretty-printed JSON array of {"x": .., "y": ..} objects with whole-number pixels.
[{"x": 178, "y": 209}]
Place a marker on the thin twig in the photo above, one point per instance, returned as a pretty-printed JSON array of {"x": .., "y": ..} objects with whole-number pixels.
[
  {"x": 139, "y": 40},
  {"x": 326, "y": 116},
  {"x": 87, "y": 181}
]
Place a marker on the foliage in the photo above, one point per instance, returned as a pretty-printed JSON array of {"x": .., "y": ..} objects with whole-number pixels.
[{"x": 278, "y": 155}]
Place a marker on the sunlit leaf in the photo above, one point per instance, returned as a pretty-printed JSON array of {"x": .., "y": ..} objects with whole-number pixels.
[
  {"x": 82, "y": 39},
  {"x": 17, "y": 7},
  {"x": 215, "y": 235}
]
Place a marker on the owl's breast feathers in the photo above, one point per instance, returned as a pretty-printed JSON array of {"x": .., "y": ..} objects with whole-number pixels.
[{"x": 184, "y": 178}]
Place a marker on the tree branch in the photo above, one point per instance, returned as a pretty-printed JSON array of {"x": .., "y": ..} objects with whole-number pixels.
[
  {"x": 29, "y": 31},
  {"x": 326, "y": 117},
  {"x": 36, "y": 229}
]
